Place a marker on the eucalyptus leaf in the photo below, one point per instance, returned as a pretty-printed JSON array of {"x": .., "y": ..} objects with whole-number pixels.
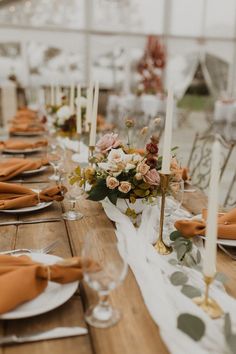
[
  {"x": 178, "y": 278},
  {"x": 221, "y": 277},
  {"x": 174, "y": 235},
  {"x": 173, "y": 261},
  {"x": 181, "y": 250},
  {"x": 191, "y": 325},
  {"x": 190, "y": 291},
  {"x": 198, "y": 256}
]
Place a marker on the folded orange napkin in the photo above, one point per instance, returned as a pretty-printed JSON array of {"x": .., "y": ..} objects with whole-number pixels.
[
  {"x": 15, "y": 196},
  {"x": 21, "y": 144},
  {"x": 22, "y": 279},
  {"x": 226, "y": 225},
  {"x": 27, "y": 127},
  {"x": 12, "y": 167}
]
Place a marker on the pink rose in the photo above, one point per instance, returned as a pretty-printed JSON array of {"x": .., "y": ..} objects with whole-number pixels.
[
  {"x": 143, "y": 168},
  {"x": 152, "y": 177},
  {"x": 112, "y": 182},
  {"x": 124, "y": 187},
  {"x": 107, "y": 142}
]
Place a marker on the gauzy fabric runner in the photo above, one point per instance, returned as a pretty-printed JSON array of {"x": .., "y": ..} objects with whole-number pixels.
[{"x": 164, "y": 301}]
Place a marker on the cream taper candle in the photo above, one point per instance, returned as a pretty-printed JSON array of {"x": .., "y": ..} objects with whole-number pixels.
[
  {"x": 92, "y": 138},
  {"x": 72, "y": 97},
  {"x": 52, "y": 95},
  {"x": 209, "y": 261},
  {"x": 166, "y": 159},
  {"x": 89, "y": 104},
  {"x": 78, "y": 113}
]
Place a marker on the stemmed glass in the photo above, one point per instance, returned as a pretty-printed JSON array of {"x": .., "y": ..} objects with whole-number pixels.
[
  {"x": 56, "y": 156},
  {"x": 73, "y": 194},
  {"x": 112, "y": 271},
  {"x": 173, "y": 203}
]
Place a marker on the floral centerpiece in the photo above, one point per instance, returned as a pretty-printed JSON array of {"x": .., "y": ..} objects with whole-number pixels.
[{"x": 128, "y": 177}]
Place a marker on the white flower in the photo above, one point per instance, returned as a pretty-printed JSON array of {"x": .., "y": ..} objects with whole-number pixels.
[
  {"x": 116, "y": 155},
  {"x": 63, "y": 114},
  {"x": 83, "y": 101}
]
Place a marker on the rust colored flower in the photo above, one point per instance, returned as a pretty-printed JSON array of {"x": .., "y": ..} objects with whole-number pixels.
[{"x": 152, "y": 148}]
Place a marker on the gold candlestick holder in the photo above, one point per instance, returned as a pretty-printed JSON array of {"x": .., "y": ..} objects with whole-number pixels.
[
  {"x": 91, "y": 154},
  {"x": 208, "y": 305},
  {"x": 160, "y": 246}
]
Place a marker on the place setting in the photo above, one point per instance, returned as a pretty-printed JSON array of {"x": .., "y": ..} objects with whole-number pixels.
[{"x": 117, "y": 177}]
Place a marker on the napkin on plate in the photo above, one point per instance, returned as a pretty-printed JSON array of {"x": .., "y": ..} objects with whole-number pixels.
[
  {"x": 15, "y": 196},
  {"x": 22, "y": 144},
  {"x": 22, "y": 279},
  {"x": 226, "y": 225},
  {"x": 12, "y": 167}
]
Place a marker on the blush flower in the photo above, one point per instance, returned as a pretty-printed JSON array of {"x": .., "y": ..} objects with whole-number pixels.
[
  {"x": 152, "y": 177},
  {"x": 112, "y": 182},
  {"x": 143, "y": 168},
  {"x": 124, "y": 187},
  {"x": 107, "y": 142}
]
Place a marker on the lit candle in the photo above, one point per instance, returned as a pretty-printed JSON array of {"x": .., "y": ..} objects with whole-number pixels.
[
  {"x": 52, "y": 95},
  {"x": 209, "y": 262},
  {"x": 89, "y": 104},
  {"x": 166, "y": 159},
  {"x": 92, "y": 139},
  {"x": 72, "y": 97},
  {"x": 78, "y": 115}
]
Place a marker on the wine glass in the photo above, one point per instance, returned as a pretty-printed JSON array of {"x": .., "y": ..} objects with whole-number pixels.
[
  {"x": 173, "y": 203},
  {"x": 73, "y": 194},
  {"x": 112, "y": 271},
  {"x": 56, "y": 156}
]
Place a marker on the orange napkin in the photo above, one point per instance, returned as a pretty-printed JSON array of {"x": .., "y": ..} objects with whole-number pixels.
[
  {"x": 22, "y": 144},
  {"x": 226, "y": 225},
  {"x": 15, "y": 196},
  {"x": 12, "y": 167},
  {"x": 22, "y": 279}
]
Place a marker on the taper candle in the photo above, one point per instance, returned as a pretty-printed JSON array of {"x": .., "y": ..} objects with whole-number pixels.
[
  {"x": 58, "y": 95},
  {"x": 166, "y": 159},
  {"x": 52, "y": 95},
  {"x": 92, "y": 138},
  {"x": 89, "y": 104},
  {"x": 209, "y": 261},
  {"x": 72, "y": 97},
  {"x": 78, "y": 113}
]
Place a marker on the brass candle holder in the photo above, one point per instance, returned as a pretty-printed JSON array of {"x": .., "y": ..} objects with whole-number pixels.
[
  {"x": 208, "y": 305},
  {"x": 91, "y": 154},
  {"x": 160, "y": 246}
]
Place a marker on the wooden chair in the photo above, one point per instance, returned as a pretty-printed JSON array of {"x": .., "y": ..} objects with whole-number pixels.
[
  {"x": 230, "y": 198},
  {"x": 199, "y": 162}
]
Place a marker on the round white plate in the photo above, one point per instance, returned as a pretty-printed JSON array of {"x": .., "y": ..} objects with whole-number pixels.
[
  {"x": 32, "y": 172},
  {"x": 23, "y": 151},
  {"x": 220, "y": 241},
  {"x": 27, "y": 209},
  {"x": 53, "y": 296},
  {"x": 28, "y": 133}
]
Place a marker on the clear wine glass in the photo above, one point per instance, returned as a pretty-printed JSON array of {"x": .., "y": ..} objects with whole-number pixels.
[
  {"x": 73, "y": 194},
  {"x": 100, "y": 247},
  {"x": 56, "y": 157},
  {"x": 173, "y": 203}
]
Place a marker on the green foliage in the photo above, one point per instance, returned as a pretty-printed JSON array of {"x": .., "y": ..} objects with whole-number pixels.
[{"x": 191, "y": 325}]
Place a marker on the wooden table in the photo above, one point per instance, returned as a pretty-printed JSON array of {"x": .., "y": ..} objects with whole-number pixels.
[{"x": 136, "y": 333}]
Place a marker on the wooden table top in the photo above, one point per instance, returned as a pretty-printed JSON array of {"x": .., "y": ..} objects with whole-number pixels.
[{"x": 136, "y": 333}]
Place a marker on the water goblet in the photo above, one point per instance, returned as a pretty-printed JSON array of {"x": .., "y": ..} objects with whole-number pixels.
[
  {"x": 55, "y": 155},
  {"x": 111, "y": 273}
]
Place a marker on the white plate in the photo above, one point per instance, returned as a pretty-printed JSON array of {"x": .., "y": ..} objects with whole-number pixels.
[
  {"x": 27, "y": 209},
  {"x": 32, "y": 172},
  {"x": 28, "y": 133},
  {"x": 53, "y": 296},
  {"x": 220, "y": 241},
  {"x": 23, "y": 151}
]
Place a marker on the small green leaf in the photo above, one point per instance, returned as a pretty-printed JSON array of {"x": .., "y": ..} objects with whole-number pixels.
[
  {"x": 174, "y": 235},
  {"x": 221, "y": 277},
  {"x": 178, "y": 278},
  {"x": 173, "y": 261},
  {"x": 190, "y": 291},
  {"x": 198, "y": 257},
  {"x": 113, "y": 197},
  {"x": 191, "y": 325},
  {"x": 231, "y": 340},
  {"x": 181, "y": 250}
]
